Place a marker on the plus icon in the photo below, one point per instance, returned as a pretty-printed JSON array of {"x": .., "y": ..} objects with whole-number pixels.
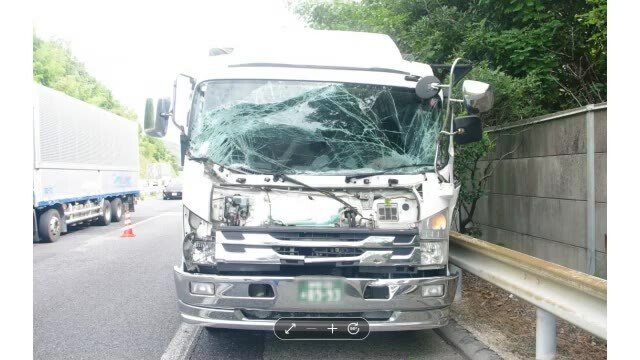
[{"x": 332, "y": 328}]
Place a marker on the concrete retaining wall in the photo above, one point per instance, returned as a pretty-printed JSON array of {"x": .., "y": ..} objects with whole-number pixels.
[{"x": 538, "y": 196}]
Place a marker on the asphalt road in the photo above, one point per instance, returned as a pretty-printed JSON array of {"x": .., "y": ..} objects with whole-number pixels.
[{"x": 99, "y": 296}]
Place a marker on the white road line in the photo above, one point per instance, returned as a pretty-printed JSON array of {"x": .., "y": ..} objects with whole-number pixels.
[
  {"x": 144, "y": 221},
  {"x": 183, "y": 342},
  {"x": 94, "y": 241}
]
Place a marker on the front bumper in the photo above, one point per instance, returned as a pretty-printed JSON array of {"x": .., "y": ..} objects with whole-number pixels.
[{"x": 232, "y": 307}]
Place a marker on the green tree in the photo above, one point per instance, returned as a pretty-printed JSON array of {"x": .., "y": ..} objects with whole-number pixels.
[
  {"x": 557, "y": 45},
  {"x": 539, "y": 55}
]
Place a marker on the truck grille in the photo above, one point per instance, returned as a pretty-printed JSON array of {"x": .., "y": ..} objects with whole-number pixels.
[
  {"x": 317, "y": 251},
  {"x": 388, "y": 212},
  {"x": 344, "y": 236},
  {"x": 298, "y": 233}
]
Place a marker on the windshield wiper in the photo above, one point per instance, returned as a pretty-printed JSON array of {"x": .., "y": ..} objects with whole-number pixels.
[
  {"x": 276, "y": 177},
  {"x": 386, "y": 171}
]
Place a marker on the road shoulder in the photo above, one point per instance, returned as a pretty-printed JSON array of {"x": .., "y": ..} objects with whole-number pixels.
[{"x": 467, "y": 344}]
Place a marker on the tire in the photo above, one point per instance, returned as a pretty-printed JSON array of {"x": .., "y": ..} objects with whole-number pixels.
[
  {"x": 50, "y": 225},
  {"x": 117, "y": 209},
  {"x": 105, "y": 219}
]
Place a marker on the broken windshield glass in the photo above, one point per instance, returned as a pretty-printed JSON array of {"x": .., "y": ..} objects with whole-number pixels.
[{"x": 301, "y": 127}]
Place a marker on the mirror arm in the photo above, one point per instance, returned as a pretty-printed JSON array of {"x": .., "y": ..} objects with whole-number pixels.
[
  {"x": 173, "y": 120},
  {"x": 459, "y": 131},
  {"x": 171, "y": 113},
  {"x": 444, "y": 122}
]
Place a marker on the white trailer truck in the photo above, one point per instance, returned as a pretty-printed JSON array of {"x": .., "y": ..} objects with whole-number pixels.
[
  {"x": 85, "y": 166},
  {"x": 318, "y": 184}
]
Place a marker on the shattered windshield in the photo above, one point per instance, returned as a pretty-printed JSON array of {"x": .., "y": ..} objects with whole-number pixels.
[{"x": 301, "y": 127}]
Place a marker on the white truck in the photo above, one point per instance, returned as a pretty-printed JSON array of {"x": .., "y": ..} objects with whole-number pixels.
[
  {"x": 85, "y": 165},
  {"x": 318, "y": 183}
]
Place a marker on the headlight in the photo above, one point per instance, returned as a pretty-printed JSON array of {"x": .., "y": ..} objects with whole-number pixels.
[
  {"x": 199, "y": 243},
  {"x": 436, "y": 226},
  {"x": 198, "y": 251},
  {"x": 433, "y": 252},
  {"x": 438, "y": 221},
  {"x": 194, "y": 220}
]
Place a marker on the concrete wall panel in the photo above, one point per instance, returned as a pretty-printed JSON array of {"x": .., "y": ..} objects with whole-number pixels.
[
  {"x": 601, "y": 177},
  {"x": 552, "y": 219},
  {"x": 559, "y": 253},
  {"x": 562, "y": 176},
  {"x": 537, "y": 201},
  {"x": 544, "y": 139},
  {"x": 600, "y": 127}
]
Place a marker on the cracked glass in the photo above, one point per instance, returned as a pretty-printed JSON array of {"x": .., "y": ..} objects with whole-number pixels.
[{"x": 302, "y": 127}]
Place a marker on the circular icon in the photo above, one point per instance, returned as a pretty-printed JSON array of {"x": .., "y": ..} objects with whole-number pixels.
[{"x": 353, "y": 328}]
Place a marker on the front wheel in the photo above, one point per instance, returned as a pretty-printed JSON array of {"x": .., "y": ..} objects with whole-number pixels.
[
  {"x": 49, "y": 225},
  {"x": 105, "y": 218}
]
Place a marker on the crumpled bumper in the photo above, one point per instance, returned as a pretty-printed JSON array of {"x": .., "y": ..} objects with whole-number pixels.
[{"x": 232, "y": 306}]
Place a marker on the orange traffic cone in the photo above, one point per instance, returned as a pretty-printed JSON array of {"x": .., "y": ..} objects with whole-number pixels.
[{"x": 128, "y": 229}]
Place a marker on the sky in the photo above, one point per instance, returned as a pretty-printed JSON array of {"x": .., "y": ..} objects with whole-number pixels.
[{"x": 136, "y": 48}]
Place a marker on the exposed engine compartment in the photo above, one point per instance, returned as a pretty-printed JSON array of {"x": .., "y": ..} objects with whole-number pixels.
[{"x": 389, "y": 209}]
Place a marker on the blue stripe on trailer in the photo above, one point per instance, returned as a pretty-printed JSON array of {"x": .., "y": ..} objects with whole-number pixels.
[{"x": 82, "y": 198}]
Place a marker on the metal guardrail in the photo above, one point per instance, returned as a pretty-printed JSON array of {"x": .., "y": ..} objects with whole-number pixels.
[{"x": 579, "y": 298}]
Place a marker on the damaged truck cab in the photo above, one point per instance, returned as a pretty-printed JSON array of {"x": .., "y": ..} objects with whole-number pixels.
[{"x": 317, "y": 182}]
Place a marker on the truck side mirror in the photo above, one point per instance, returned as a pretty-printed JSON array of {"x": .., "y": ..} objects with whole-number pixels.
[
  {"x": 156, "y": 118},
  {"x": 478, "y": 96},
  {"x": 468, "y": 129},
  {"x": 427, "y": 87}
]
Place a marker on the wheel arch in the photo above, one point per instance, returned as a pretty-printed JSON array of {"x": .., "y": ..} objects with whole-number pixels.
[{"x": 57, "y": 206}]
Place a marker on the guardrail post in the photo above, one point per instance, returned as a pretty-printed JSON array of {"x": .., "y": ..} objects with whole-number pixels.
[
  {"x": 457, "y": 270},
  {"x": 545, "y": 335}
]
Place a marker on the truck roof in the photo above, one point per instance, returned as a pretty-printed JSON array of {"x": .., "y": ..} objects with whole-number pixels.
[{"x": 312, "y": 55}]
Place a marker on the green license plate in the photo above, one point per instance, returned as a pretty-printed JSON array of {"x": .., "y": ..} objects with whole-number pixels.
[{"x": 320, "y": 291}]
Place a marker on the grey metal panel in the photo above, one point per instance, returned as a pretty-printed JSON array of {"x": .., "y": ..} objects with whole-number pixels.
[
  {"x": 74, "y": 134},
  {"x": 57, "y": 184}
]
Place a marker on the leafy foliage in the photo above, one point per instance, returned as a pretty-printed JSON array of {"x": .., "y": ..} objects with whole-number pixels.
[
  {"x": 558, "y": 46},
  {"x": 55, "y": 66},
  {"x": 540, "y": 56}
]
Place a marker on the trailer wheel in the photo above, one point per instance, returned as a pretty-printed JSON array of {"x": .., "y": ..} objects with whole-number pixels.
[
  {"x": 116, "y": 210},
  {"x": 105, "y": 219},
  {"x": 50, "y": 226}
]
